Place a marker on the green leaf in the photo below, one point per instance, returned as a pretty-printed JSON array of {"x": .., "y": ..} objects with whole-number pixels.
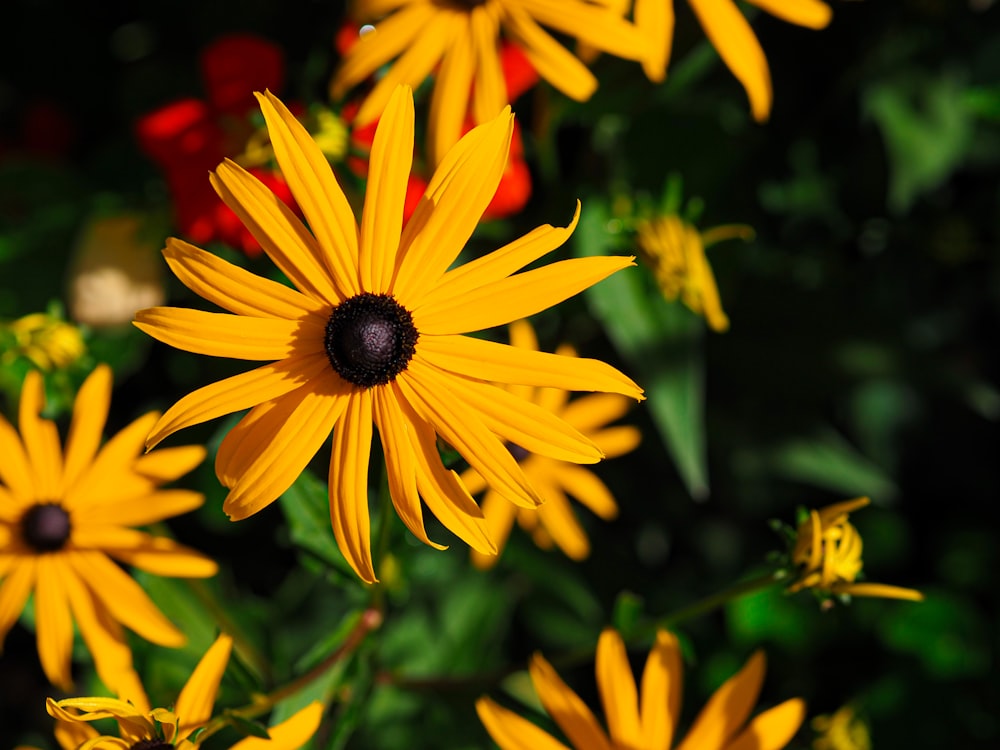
[
  {"x": 626, "y": 613},
  {"x": 247, "y": 727},
  {"x": 306, "y": 506}
]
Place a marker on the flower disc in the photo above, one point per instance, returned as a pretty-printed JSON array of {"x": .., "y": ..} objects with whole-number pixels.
[
  {"x": 370, "y": 339},
  {"x": 45, "y": 527}
]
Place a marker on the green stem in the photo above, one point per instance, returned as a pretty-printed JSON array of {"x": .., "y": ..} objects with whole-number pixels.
[{"x": 703, "y": 606}]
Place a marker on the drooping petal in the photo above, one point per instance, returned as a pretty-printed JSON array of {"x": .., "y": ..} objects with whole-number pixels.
[
  {"x": 881, "y": 590},
  {"x": 554, "y": 63},
  {"x": 566, "y": 708},
  {"x": 661, "y": 691},
  {"x": 235, "y": 289},
  {"x": 352, "y": 444},
  {"x": 773, "y": 729},
  {"x": 737, "y": 45},
  {"x": 280, "y": 233},
  {"x": 53, "y": 622},
  {"x": 728, "y": 708},
  {"x": 291, "y": 734},
  {"x": 40, "y": 438},
  {"x": 90, "y": 410},
  {"x": 388, "y": 172},
  {"x": 500, "y": 363},
  {"x": 197, "y": 698},
  {"x": 518, "y": 296},
  {"x": 586, "y": 487},
  {"x": 596, "y": 26},
  {"x": 490, "y": 93},
  {"x": 317, "y": 192},
  {"x": 143, "y": 510},
  {"x": 655, "y": 21},
  {"x": 511, "y": 732},
  {"x": 239, "y": 392},
  {"x": 15, "y": 588},
  {"x": 618, "y": 692},
  {"x": 812, "y": 14},
  {"x": 450, "y": 99}
]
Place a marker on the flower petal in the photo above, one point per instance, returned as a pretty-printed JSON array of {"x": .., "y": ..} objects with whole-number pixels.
[
  {"x": 499, "y": 514},
  {"x": 556, "y": 517},
  {"x": 157, "y": 555},
  {"x": 450, "y": 99},
  {"x": 591, "y": 412},
  {"x": 144, "y": 510},
  {"x": 655, "y": 20},
  {"x": 728, "y": 708},
  {"x": 90, "y": 411},
  {"x": 596, "y": 26},
  {"x": 280, "y": 233},
  {"x": 773, "y": 729},
  {"x": 15, "y": 588},
  {"x": 388, "y": 172},
  {"x": 352, "y": 445},
  {"x": 197, "y": 698},
  {"x": 554, "y": 63},
  {"x": 511, "y": 732},
  {"x": 881, "y": 590},
  {"x": 167, "y": 464},
  {"x": 15, "y": 472},
  {"x": 40, "y": 438},
  {"x": 812, "y": 14},
  {"x": 489, "y": 96},
  {"x": 661, "y": 691},
  {"x": 617, "y": 688},
  {"x": 566, "y": 708},
  {"x": 291, "y": 734},
  {"x": 239, "y": 392},
  {"x": 54, "y": 625},
  {"x": 734, "y": 40},
  {"x": 317, "y": 192}
]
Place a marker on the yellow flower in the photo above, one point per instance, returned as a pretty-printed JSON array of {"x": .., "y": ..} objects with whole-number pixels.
[
  {"x": 675, "y": 251},
  {"x": 65, "y": 514},
  {"x": 646, "y": 719},
  {"x": 373, "y": 335},
  {"x": 844, "y": 730},
  {"x": 828, "y": 553},
  {"x": 554, "y": 520},
  {"x": 50, "y": 343},
  {"x": 464, "y": 36},
  {"x": 730, "y": 34},
  {"x": 160, "y": 728}
]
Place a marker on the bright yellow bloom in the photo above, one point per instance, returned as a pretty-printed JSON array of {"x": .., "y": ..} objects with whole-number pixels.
[
  {"x": 730, "y": 34},
  {"x": 50, "y": 343},
  {"x": 828, "y": 553},
  {"x": 464, "y": 37},
  {"x": 372, "y": 334},
  {"x": 843, "y": 730},
  {"x": 137, "y": 723},
  {"x": 65, "y": 514},
  {"x": 554, "y": 520},
  {"x": 646, "y": 719},
  {"x": 675, "y": 251}
]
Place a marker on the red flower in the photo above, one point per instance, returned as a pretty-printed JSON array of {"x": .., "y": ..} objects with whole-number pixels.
[{"x": 189, "y": 137}]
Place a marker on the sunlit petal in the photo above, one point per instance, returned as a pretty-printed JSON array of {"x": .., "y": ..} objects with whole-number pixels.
[
  {"x": 812, "y": 14},
  {"x": 450, "y": 99},
  {"x": 291, "y": 734},
  {"x": 194, "y": 704},
  {"x": 53, "y": 622},
  {"x": 40, "y": 438},
  {"x": 90, "y": 410},
  {"x": 773, "y": 729},
  {"x": 511, "y": 732},
  {"x": 661, "y": 691},
  {"x": 352, "y": 443},
  {"x": 728, "y": 708},
  {"x": 566, "y": 708},
  {"x": 618, "y": 692}
]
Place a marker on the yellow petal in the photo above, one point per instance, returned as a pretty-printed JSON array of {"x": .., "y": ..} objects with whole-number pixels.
[
  {"x": 773, "y": 729},
  {"x": 168, "y": 464},
  {"x": 352, "y": 445},
  {"x": 566, "y": 708},
  {"x": 14, "y": 469},
  {"x": 385, "y": 194},
  {"x": 194, "y": 704},
  {"x": 72, "y": 736},
  {"x": 317, "y": 192},
  {"x": 591, "y": 412},
  {"x": 586, "y": 487},
  {"x": 235, "y": 289},
  {"x": 239, "y": 392},
  {"x": 499, "y": 515},
  {"x": 500, "y": 363},
  {"x": 554, "y": 63},
  {"x": 812, "y": 14},
  {"x": 90, "y": 410},
  {"x": 518, "y": 296},
  {"x": 40, "y": 438},
  {"x": 291, "y": 734},
  {"x": 739, "y": 49},
  {"x": 661, "y": 691},
  {"x": 881, "y": 590},
  {"x": 617, "y": 688},
  {"x": 655, "y": 20},
  {"x": 595, "y": 26},
  {"x": 728, "y": 708},
  {"x": 108, "y": 472},
  {"x": 450, "y": 100},
  {"x": 616, "y": 441},
  {"x": 143, "y": 510},
  {"x": 556, "y": 519},
  {"x": 279, "y": 231},
  {"x": 489, "y": 96},
  {"x": 15, "y": 588},
  {"x": 511, "y": 732},
  {"x": 158, "y": 555},
  {"x": 54, "y": 626}
]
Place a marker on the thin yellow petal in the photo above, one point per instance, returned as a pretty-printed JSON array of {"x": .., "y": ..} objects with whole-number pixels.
[
  {"x": 489, "y": 96},
  {"x": 194, "y": 704},
  {"x": 554, "y": 63},
  {"x": 616, "y": 441},
  {"x": 518, "y": 296},
  {"x": 450, "y": 99},
  {"x": 556, "y": 519},
  {"x": 739, "y": 49},
  {"x": 499, "y": 514},
  {"x": 773, "y": 729},
  {"x": 616, "y": 685},
  {"x": 596, "y": 26},
  {"x": 168, "y": 464},
  {"x": 317, "y": 192},
  {"x": 655, "y": 20},
  {"x": 500, "y": 363},
  {"x": 158, "y": 555},
  {"x": 586, "y": 487},
  {"x": 591, "y": 412},
  {"x": 291, "y": 734},
  {"x": 728, "y": 708},
  {"x": 881, "y": 590},
  {"x": 90, "y": 410},
  {"x": 14, "y": 591},
  {"x": 72, "y": 736},
  {"x": 280, "y": 233},
  {"x": 40, "y": 438},
  {"x": 239, "y": 392},
  {"x": 388, "y": 173},
  {"x": 812, "y": 14},
  {"x": 566, "y": 708},
  {"x": 54, "y": 625},
  {"x": 14, "y": 469},
  {"x": 661, "y": 691},
  {"x": 143, "y": 510},
  {"x": 352, "y": 445},
  {"x": 235, "y": 289},
  {"x": 511, "y": 732}
]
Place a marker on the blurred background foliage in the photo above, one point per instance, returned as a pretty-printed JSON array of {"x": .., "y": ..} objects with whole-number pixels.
[{"x": 861, "y": 359}]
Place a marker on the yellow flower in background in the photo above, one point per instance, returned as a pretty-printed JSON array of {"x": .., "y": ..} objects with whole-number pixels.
[
  {"x": 50, "y": 343},
  {"x": 372, "y": 334},
  {"x": 675, "y": 251},
  {"x": 843, "y": 730},
  {"x": 65, "y": 517},
  {"x": 828, "y": 554},
  {"x": 153, "y": 729},
  {"x": 554, "y": 521},
  {"x": 731, "y": 35},
  {"x": 464, "y": 37},
  {"x": 646, "y": 718}
]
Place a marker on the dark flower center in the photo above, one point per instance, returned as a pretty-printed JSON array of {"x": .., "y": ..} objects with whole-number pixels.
[
  {"x": 464, "y": 4},
  {"x": 517, "y": 452},
  {"x": 370, "y": 339},
  {"x": 45, "y": 527},
  {"x": 150, "y": 745}
]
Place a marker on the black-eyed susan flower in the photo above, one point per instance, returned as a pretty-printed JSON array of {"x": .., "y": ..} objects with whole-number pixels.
[
  {"x": 139, "y": 726},
  {"x": 461, "y": 39},
  {"x": 372, "y": 334},
  {"x": 827, "y": 553},
  {"x": 646, "y": 718},
  {"x": 731, "y": 35},
  {"x": 554, "y": 521},
  {"x": 841, "y": 730},
  {"x": 675, "y": 251},
  {"x": 48, "y": 342},
  {"x": 67, "y": 514}
]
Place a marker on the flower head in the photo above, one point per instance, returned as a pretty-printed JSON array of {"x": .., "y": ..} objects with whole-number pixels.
[
  {"x": 827, "y": 552},
  {"x": 675, "y": 251},
  {"x": 731, "y": 35},
  {"x": 464, "y": 37},
  {"x": 554, "y": 521},
  {"x": 47, "y": 341},
  {"x": 139, "y": 726},
  {"x": 646, "y": 719},
  {"x": 65, "y": 513},
  {"x": 372, "y": 335}
]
